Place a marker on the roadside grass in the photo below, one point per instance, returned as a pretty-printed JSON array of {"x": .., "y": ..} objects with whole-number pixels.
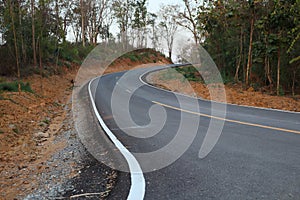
[
  {"x": 186, "y": 73},
  {"x": 145, "y": 55},
  {"x": 191, "y": 73},
  {"x": 16, "y": 130},
  {"x": 46, "y": 121},
  {"x": 13, "y": 87}
]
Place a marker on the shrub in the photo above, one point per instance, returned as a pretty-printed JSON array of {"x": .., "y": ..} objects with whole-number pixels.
[{"x": 13, "y": 87}]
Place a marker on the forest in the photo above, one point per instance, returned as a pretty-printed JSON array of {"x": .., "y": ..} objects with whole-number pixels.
[{"x": 253, "y": 42}]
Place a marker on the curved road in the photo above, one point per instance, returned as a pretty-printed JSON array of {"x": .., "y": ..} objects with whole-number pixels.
[{"x": 256, "y": 157}]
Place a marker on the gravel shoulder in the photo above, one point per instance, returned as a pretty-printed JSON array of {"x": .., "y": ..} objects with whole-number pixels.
[
  {"x": 72, "y": 172},
  {"x": 41, "y": 156}
]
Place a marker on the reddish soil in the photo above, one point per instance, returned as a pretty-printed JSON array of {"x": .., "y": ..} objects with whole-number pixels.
[
  {"x": 235, "y": 94},
  {"x": 23, "y": 153},
  {"x": 22, "y": 116}
]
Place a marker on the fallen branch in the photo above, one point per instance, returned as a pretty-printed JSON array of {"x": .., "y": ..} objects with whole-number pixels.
[{"x": 84, "y": 195}]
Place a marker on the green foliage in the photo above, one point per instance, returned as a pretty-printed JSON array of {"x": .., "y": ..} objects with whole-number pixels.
[
  {"x": 295, "y": 60},
  {"x": 133, "y": 57},
  {"x": 68, "y": 53},
  {"x": 46, "y": 121},
  {"x": 227, "y": 78},
  {"x": 51, "y": 18},
  {"x": 144, "y": 55},
  {"x": 2, "y": 79},
  {"x": 13, "y": 87},
  {"x": 190, "y": 73},
  {"x": 169, "y": 74},
  {"x": 281, "y": 91},
  {"x": 226, "y": 26},
  {"x": 186, "y": 73},
  {"x": 16, "y": 130}
]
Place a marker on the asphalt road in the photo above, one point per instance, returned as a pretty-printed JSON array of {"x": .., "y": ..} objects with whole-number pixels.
[{"x": 256, "y": 157}]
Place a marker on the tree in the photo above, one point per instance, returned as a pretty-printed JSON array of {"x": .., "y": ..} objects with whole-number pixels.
[
  {"x": 252, "y": 21},
  {"x": 189, "y": 19},
  {"x": 12, "y": 14},
  {"x": 83, "y": 9},
  {"x": 252, "y": 37},
  {"x": 33, "y": 31},
  {"x": 123, "y": 12},
  {"x": 168, "y": 25},
  {"x": 140, "y": 21},
  {"x": 98, "y": 12},
  {"x": 155, "y": 37}
]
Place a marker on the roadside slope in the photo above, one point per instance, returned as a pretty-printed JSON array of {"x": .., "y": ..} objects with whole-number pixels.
[
  {"x": 30, "y": 122},
  {"x": 234, "y": 92}
]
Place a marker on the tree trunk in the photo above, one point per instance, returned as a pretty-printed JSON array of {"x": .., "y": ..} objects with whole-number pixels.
[
  {"x": 41, "y": 66},
  {"x": 12, "y": 14},
  {"x": 249, "y": 64},
  {"x": 170, "y": 54},
  {"x": 278, "y": 71},
  {"x": 82, "y": 22},
  {"x": 33, "y": 33},
  {"x": 268, "y": 71},
  {"x": 65, "y": 30},
  {"x": 196, "y": 37},
  {"x": 236, "y": 77},
  {"x": 23, "y": 57},
  {"x": 244, "y": 60},
  {"x": 219, "y": 55},
  {"x": 269, "y": 80},
  {"x": 294, "y": 81}
]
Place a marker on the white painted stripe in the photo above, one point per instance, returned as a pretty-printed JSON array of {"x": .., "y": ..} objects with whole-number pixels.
[
  {"x": 128, "y": 91},
  {"x": 184, "y": 95},
  {"x": 138, "y": 185}
]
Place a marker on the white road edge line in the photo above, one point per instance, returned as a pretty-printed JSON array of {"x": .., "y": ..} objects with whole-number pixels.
[
  {"x": 138, "y": 185},
  {"x": 197, "y": 98}
]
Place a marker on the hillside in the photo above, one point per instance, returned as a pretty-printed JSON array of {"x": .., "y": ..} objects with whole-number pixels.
[{"x": 31, "y": 121}]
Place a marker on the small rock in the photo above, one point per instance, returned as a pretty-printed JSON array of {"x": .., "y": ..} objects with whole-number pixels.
[
  {"x": 22, "y": 167},
  {"x": 12, "y": 126},
  {"x": 41, "y": 135},
  {"x": 250, "y": 89}
]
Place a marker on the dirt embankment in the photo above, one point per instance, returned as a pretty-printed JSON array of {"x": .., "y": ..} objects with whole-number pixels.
[
  {"x": 235, "y": 93},
  {"x": 30, "y": 122}
]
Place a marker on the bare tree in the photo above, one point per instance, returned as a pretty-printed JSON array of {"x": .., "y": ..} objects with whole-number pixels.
[
  {"x": 140, "y": 21},
  {"x": 12, "y": 14},
  {"x": 123, "y": 11},
  {"x": 98, "y": 11},
  {"x": 249, "y": 63},
  {"x": 188, "y": 19},
  {"x": 168, "y": 25},
  {"x": 155, "y": 37},
  {"x": 83, "y": 8},
  {"x": 33, "y": 32}
]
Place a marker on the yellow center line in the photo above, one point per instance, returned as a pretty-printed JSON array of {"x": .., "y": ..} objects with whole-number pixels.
[{"x": 227, "y": 120}]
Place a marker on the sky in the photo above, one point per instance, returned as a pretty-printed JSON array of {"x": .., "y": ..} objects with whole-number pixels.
[
  {"x": 183, "y": 36},
  {"x": 154, "y": 5}
]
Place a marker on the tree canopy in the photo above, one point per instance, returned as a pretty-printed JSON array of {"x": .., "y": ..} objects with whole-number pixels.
[{"x": 254, "y": 42}]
